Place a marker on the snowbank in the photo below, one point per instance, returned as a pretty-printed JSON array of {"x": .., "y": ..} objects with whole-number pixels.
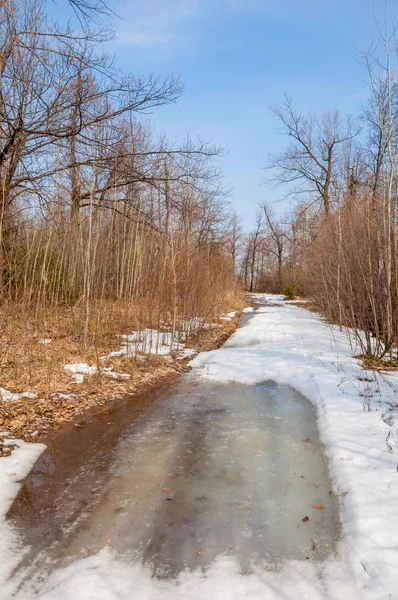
[
  {"x": 152, "y": 341},
  {"x": 290, "y": 345},
  {"x": 8, "y": 396},
  {"x": 13, "y": 469},
  {"x": 78, "y": 371}
]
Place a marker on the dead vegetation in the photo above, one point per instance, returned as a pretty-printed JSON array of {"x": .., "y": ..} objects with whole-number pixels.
[
  {"x": 31, "y": 366},
  {"x": 373, "y": 363},
  {"x": 106, "y": 227},
  {"x": 339, "y": 243}
]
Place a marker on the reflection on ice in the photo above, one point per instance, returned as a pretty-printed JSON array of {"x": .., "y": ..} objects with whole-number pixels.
[{"x": 217, "y": 469}]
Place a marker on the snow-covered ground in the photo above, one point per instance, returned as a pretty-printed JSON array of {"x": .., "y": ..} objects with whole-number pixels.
[
  {"x": 13, "y": 469},
  {"x": 138, "y": 344},
  {"x": 294, "y": 346},
  {"x": 288, "y": 345},
  {"x": 7, "y": 396},
  {"x": 158, "y": 343}
]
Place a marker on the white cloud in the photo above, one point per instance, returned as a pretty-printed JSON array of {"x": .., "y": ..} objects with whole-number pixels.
[
  {"x": 157, "y": 23},
  {"x": 167, "y": 24}
]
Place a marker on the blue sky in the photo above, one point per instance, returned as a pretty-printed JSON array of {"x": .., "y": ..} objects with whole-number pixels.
[{"x": 238, "y": 57}]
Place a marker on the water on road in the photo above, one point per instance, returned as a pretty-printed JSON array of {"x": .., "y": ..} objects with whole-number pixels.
[{"x": 208, "y": 469}]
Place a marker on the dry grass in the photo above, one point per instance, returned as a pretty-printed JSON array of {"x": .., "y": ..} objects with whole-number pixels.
[
  {"x": 29, "y": 366},
  {"x": 306, "y": 303},
  {"x": 372, "y": 363}
]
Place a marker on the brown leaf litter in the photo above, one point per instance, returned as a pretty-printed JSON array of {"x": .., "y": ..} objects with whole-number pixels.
[{"x": 28, "y": 365}]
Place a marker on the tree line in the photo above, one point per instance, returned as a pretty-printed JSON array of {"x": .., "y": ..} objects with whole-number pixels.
[
  {"x": 338, "y": 243},
  {"x": 95, "y": 204}
]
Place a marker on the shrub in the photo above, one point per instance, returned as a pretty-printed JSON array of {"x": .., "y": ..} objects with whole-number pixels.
[{"x": 289, "y": 291}]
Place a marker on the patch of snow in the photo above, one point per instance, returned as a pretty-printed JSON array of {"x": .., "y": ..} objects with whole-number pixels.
[
  {"x": 122, "y": 352},
  {"x": 110, "y": 373},
  {"x": 104, "y": 577},
  {"x": 78, "y": 371},
  {"x": 81, "y": 368},
  {"x": 149, "y": 341},
  {"x": 293, "y": 346},
  {"x": 7, "y": 396},
  {"x": 13, "y": 469},
  {"x": 45, "y": 341},
  {"x": 62, "y": 396},
  {"x": 229, "y": 316},
  {"x": 186, "y": 353},
  {"x": 191, "y": 325}
]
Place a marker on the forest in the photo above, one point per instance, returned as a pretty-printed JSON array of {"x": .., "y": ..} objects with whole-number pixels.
[
  {"x": 198, "y": 300},
  {"x": 106, "y": 226},
  {"x": 337, "y": 245}
]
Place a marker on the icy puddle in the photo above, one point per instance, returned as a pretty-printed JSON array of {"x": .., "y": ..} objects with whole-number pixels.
[{"x": 209, "y": 469}]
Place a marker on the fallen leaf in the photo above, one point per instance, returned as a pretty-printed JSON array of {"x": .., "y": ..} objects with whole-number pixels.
[
  {"x": 167, "y": 489},
  {"x": 200, "y": 553},
  {"x": 148, "y": 542},
  {"x": 305, "y": 520},
  {"x": 318, "y": 507},
  {"x": 305, "y": 440},
  {"x": 247, "y": 573},
  {"x": 109, "y": 541},
  {"x": 302, "y": 476}
]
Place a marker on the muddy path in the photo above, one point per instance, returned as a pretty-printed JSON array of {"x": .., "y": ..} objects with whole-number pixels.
[
  {"x": 208, "y": 469},
  {"x": 70, "y": 474}
]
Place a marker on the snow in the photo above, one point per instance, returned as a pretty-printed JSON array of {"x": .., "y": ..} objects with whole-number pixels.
[
  {"x": 109, "y": 372},
  {"x": 78, "y": 371},
  {"x": 152, "y": 341},
  {"x": 45, "y": 341},
  {"x": 62, "y": 396},
  {"x": 7, "y": 396},
  {"x": 289, "y": 345},
  {"x": 191, "y": 325},
  {"x": 229, "y": 316},
  {"x": 13, "y": 469},
  {"x": 104, "y": 577},
  {"x": 83, "y": 368},
  {"x": 186, "y": 353}
]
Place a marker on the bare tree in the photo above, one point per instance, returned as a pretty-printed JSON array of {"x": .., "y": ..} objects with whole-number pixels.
[
  {"x": 275, "y": 237},
  {"x": 311, "y": 157}
]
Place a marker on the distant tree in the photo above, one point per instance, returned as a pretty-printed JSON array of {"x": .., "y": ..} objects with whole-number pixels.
[
  {"x": 312, "y": 158},
  {"x": 274, "y": 238}
]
